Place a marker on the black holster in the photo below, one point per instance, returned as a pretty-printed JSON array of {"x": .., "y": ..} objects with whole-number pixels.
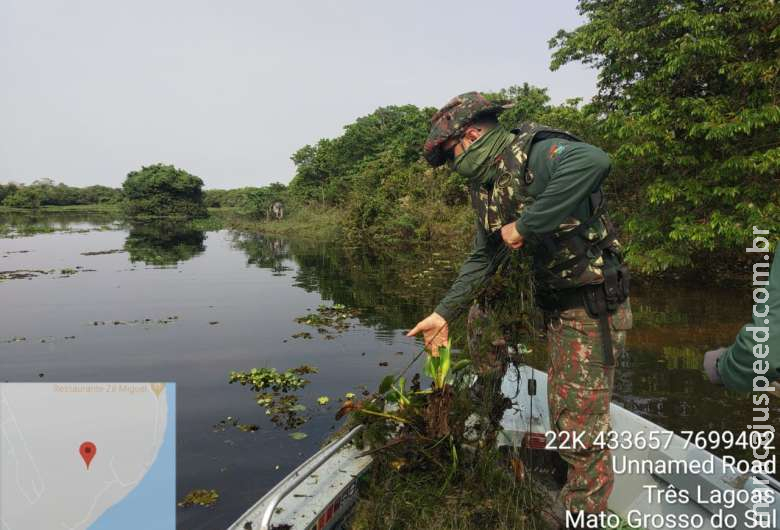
[{"x": 599, "y": 301}]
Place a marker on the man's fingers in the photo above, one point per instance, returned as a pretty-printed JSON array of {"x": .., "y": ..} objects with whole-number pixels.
[{"x": 414, "y": 331}]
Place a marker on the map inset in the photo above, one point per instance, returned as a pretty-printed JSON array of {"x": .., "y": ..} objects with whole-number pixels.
[{"x": 76, "y": 456}]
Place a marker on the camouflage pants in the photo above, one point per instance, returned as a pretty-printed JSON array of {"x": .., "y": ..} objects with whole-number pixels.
[{"x": 579, "y": 390}]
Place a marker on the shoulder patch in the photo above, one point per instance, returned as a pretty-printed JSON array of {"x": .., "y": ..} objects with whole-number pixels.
[{"x": 555, "y": 150}]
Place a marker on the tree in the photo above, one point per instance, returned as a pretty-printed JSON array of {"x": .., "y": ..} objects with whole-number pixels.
[
  {"x": 528, "y": 103},
  {"x": 326, "y": 171},
  {"x": 163, "y": 191},
  {"x": 7, "y": 190},
  {"x": 688, "y": 94},
  {"x": 24, "y": 197}
]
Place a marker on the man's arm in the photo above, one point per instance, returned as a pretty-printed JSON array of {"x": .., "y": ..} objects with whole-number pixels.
[
  {"x": 578, "y": 171},
  {"x": 756, "y": 352},
  {"x": 480, "y": 264}
]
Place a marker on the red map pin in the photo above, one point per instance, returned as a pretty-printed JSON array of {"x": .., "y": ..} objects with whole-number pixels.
[{"x": 87, "y": 451}]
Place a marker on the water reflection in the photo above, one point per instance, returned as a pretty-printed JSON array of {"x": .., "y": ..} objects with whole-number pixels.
[
  {"x": 264, "y": 252},
  {"x": 23, "y": 224},
  {"x": 386, "y": 288},
  {"x": 164, "y": 244}
]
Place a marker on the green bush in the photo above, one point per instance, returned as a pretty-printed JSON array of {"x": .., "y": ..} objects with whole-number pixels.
[
  {"x": 163, "y": 191},
  {"x": 24, "y": 197}
]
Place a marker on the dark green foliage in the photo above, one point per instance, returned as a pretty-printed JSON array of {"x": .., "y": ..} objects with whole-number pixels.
[
  {"x": 99, "y": 195},
  {"x": 45, "y": 192},
  {"x": 374, "y": 172},
  {"x": 25, "y": 197},
  {"x": 275, "y": 392},
  {"x": 224, "y": 198},
  {"x": 688, "y": 100},
  {"x": 164, "y": 244},
  {"x": 251, "y": 202},
  {"x": 325, "y": 172},
  {"x": 163, "y": 191}
]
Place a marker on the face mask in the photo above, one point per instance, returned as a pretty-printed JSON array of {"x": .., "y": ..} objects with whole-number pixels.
[{"x": 476, "y": 162}]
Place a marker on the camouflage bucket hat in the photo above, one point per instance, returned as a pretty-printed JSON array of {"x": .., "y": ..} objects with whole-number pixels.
[{"x": 452, "y": 119}]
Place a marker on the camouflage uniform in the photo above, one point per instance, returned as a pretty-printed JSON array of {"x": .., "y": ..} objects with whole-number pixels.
[
  {"x": 576, "y": 255},
  {"x": 579, "y": 390}
]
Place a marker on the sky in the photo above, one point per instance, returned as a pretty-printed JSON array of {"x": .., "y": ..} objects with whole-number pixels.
[{"x": 228, "y": 90}]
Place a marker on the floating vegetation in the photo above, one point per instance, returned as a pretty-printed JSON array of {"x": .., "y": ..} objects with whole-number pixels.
[
  {"x": 436, "y": 465},
  {"x": 104, "y": 252},
  {"x": 298, "y": 435},
  {"x": 329, "y": 321},
  {"x": 230, "y": 421},
  {"x": 273, "y": 392},
  {"x": 9, "y": 252},
  {"x": 32, "y": 229},
  {"x": 264, "y": 378},
  {"x": 13, "y": 339},
  {"x": 146, "y": 321},
  {"x": 17, "y": 231},
  {"x": 323, "y": 400},
  {"x": 205, "y": 498},
  {"x": 302, "y": 335},
  {"x": 28, "y": 274},
  {"x": 23, "y": 274}
]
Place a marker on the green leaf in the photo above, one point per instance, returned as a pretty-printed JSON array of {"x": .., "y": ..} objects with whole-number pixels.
[
  {"x": 445, "y": 356},
  {"x": 298, "y": 435},
  {"x": 460, "y": 365},
  {"x": 386, "y": 384}
]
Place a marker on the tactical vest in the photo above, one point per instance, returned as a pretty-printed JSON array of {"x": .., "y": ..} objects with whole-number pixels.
[{"x": 570, "y": 256}]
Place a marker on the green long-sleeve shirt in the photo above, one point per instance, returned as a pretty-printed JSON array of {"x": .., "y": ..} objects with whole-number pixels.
[
  {"x": 756, "y": 352},
  {"x": 565, "y": 174}
]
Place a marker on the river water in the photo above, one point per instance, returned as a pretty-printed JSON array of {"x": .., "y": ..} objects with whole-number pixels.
[{"x": 219, "y": 301}]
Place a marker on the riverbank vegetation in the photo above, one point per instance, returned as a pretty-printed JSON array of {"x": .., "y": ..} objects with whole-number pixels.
[{"x": 45, "y": 193}]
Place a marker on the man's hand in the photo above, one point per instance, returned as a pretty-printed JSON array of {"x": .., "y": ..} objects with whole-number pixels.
[
  {"x": 435, "y": 331},
  {"x": 511, "y": 236},
  {"x": 711, "y": 365}
]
